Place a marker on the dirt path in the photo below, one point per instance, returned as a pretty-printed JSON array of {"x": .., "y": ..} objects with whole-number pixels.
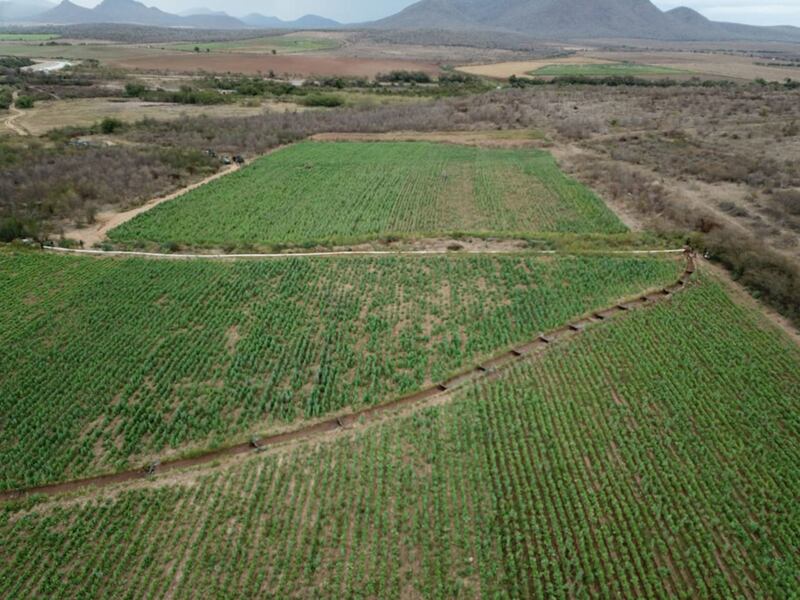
[
  {"x": 16, "y": 113},
  {"x": 105, "y": 222},
  {"x": 502, "y": 249},
  {"x": 487, "y": 370}
]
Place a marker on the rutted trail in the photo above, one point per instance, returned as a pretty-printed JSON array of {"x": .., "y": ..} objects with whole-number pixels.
[
  {"x": 15, "y": 114},
  {"x": 486, "y": 370}
]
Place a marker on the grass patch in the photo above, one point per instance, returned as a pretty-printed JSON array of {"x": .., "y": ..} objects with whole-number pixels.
[
  {"x": 27, "y": 37},
  {"x": 264, "y": 45},
  {"x": 605, "y": 70}
]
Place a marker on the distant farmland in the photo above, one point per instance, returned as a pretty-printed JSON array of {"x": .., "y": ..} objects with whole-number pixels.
[
  {"x": 263, "y": 45},
  {"x": 26, "y": 37},
  {"x": 605, "y": 70},
  {"x": 347, "y": 191}
]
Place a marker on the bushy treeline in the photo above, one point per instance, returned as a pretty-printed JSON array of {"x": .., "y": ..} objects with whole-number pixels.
[
  {"x": 42, "y": 190},
  {"x": 14, "y": 62},
  {"x": 254, "y": 135},
  {"x": 185, "y": 95},
  {"x": 619, "y": 81},
  {"x": 405, "y": 77},
  {"x": 6, "y": 98}
]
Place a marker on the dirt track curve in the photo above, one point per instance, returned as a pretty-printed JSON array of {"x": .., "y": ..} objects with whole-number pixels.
[
  {"x": 487, "y": 370},
  {"x": 16, "y": 113}
]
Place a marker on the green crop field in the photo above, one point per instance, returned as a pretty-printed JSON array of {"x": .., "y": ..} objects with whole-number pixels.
[
  {"x": 349, "y": 191},
  {"x": 146, "y": 355},
  {"x": 26, "y": 37},
  {"x": 282, "y": 44},
  {"x": 605, "y": 70},
  {"x": 655, "y": 456}
]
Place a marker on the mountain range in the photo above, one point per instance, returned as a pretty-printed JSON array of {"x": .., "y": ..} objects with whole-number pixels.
[
  {"x": 134, "y": 12},
  {"x": 577, "y": 19},
  {"x": 537, "y": 19},
  {"x": 306, "y": 22}
]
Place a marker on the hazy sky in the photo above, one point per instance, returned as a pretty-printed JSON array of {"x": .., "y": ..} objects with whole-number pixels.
[{"x": 757, "y": 12}]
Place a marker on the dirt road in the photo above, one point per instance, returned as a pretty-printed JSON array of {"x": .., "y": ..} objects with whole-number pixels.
[
  {"x": 105, "y": 222},
  {"x": 16, "y": 113}
]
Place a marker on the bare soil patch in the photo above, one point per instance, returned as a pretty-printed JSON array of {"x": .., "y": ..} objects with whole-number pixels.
[
  {"x": 52, "y": 114},
  {"x": 520, "y": 138}
]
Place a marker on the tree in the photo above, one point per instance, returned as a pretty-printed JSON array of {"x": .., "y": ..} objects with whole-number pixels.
[
  {"x": 109, "y": 125},
  {"x": 24, "y": 102},
  {"x": 135, "y": 89}
]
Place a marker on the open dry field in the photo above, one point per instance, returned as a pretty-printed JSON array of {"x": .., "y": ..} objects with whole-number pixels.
[
  {"x": 302, "y": 65},
  {"x": 706, "y": 65},
  {"x": 76, "y": 51},
  {"x": 297, "y": 56},
  {"x": 53, "y": 114},
  {"x": 685, "y": 64}
]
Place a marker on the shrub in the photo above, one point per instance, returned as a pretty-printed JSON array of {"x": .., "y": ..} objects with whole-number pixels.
[
  {"x": 324, "y": 100},
  {"x": 24, "y": 102},
  {"x": 12, "y": 229},
  {"x": 5, "y": 99},
  {"x": 405, "y": 77},
  {"x": 135, "y": 89},
  {"x": 789, "y": 200},
  {"x": 110, "y": 125}
]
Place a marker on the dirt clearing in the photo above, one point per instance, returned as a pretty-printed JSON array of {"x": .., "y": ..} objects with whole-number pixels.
[
  {"x": 520, "y": 138},
  {"x": 53, "y": 114}
]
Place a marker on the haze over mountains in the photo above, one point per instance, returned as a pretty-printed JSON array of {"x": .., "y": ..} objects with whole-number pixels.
[
  {"x": 134, "y": 12},
  {"x": 538, "y": 19},
  {"x": 578, "y": 19}
]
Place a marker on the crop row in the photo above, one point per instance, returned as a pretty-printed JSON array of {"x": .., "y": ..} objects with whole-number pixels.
[
  {"x": 654, "y": 457},
  {"x": 104, "y": 360},
  {"x": 349, "y": 191}
]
